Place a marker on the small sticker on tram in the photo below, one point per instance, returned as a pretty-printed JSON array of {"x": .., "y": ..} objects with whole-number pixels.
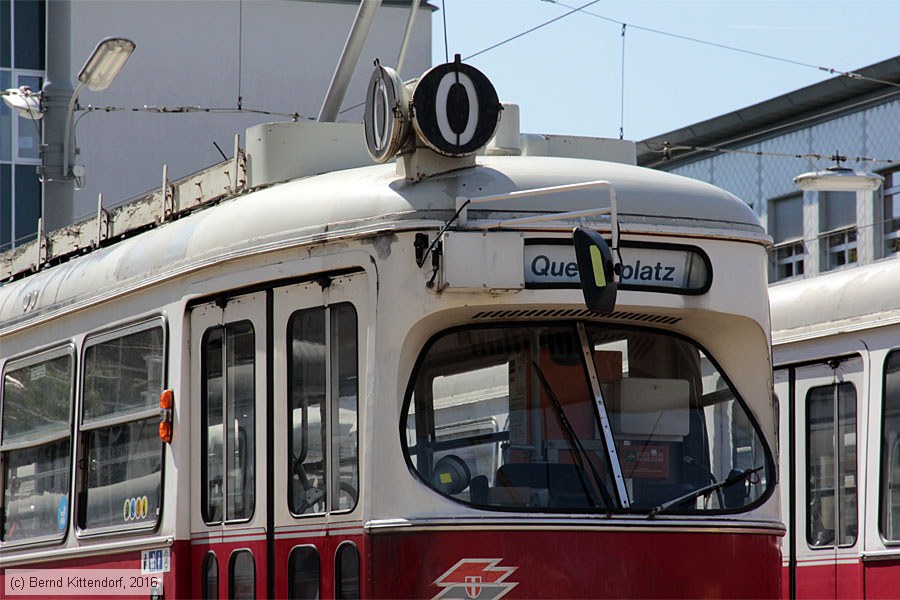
[
  {"x": 135, "y": 508},
  {"x": 155, "y": 561},
  {"x": 476, "y": 578}
]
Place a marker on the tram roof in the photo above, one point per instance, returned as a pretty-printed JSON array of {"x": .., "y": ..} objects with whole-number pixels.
[
  {"x": 846, "y": 300},
  {"x": 362, "y": 202}
]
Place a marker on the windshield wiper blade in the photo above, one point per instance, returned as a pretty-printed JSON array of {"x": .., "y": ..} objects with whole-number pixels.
[
  {"x": 580, "y": 453},
  {"x": 747, "y": 474}
]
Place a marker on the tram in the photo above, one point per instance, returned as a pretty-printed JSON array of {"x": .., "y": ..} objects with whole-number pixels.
[
  {"x": 300, "y": 374},
  {"x": 837, "y": 377}
]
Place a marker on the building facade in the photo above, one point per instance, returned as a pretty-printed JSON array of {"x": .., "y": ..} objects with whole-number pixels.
[
  {"x": 202, "y": 71},
  {"x": 757, "y": 152}
]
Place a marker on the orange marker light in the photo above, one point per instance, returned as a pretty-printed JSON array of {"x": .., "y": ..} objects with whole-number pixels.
[{"x": 166, "y": 404}]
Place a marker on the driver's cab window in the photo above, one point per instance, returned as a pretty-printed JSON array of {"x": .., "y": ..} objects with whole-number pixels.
[
  {"x": 323, "y": 390},
  {"x": 581, "y": 418}
]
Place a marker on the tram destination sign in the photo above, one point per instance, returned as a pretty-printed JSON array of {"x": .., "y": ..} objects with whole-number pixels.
[{"x": 645, "y": 267}]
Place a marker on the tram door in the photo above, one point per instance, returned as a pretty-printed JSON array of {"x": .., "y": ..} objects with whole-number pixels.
[
  {"x": 229, "y": 541},
  {"x": 823, "y": 476},
  {"x": 320, "y": 341}
]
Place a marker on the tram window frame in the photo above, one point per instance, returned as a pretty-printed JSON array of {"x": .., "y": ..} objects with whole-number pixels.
[
  {"x": 344, "y": 580},
  {"x": 49, "y": 438},
  {"x": 889, "y": 471},
  {"x": 245, "y": 438},
  {"x": 300, "y": 573},
  {"x": 139, "y": 424},
  {"x": 210, "y": 582},
  {"x": 232, "y": 574},
  {"x": 336, "y": 329},
  {"x": 847, "y": 504}
]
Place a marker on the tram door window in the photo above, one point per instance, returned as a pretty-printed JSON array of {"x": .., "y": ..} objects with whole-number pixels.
[
  {"x": 303, "y": 573},
  {"x": 119, "y": 483},
  {"x": 35, "y": 445},
  {"x": 889, "y": 522},
  {"x": 323, "y": 385},
  {"x": 229, "y": 512},
  {"x": 210, "y": 576},
  {"x": 241, "y": 576},
  {"x": 228, "y": 432},
  {"x": 346, "y": 574},
  {"x": 831, "y": 465}
]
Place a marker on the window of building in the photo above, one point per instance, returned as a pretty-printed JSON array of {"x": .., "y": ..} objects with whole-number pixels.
[
  {"x": 22, "y": 60},
  {"x": 837, "y": 224},
  {"x": 228, "y": 429},
  {"x": 831, "y": 470},
  {"x": 120, "y": 445},
  {"x": 890, "y": 213},
  {"x": 318, "y": 395},
  {"x": 786, "y": 228},
  {"x": 36, "y": 445}
]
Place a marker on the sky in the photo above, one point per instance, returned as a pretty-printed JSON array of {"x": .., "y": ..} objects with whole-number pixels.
[{"x": 567, "y": 76}]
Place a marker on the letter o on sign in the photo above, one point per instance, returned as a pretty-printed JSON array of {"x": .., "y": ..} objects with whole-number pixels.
[{"x": 455, "y": 109}]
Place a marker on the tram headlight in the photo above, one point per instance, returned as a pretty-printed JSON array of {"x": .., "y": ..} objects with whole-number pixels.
[{"x": 166, "y": 403}]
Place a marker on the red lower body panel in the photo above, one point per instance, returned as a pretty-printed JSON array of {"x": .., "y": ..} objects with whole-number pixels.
[{"x": 575, "y": 564}]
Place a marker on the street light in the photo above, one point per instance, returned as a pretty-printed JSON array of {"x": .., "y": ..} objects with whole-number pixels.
[
  {"x": 26, "y": 103},
  {"x": 838, "y": 179},
  {"x": 98, "y": 72}
]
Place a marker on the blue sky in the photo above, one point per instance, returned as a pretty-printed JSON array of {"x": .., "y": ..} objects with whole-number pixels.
[{"x": 567, "y": 76}]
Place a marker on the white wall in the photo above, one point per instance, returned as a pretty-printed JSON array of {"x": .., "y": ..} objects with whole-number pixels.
[{"x": 187, "y": 55}]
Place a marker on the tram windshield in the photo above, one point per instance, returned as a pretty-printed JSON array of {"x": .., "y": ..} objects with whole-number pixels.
[{"x": 581, "y": 418}]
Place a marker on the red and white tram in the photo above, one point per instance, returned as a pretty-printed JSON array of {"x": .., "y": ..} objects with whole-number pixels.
[
  {"x": 837, "y": 377},
  {"x": 383, "y": 381}
]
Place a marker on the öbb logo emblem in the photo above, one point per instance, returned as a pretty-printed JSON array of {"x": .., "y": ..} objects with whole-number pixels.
[{"x": 475, "y": 578}]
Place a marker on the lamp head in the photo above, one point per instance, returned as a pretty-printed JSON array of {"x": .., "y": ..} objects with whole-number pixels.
[
  {"x": 26, "y": 103},
  {"x": 839, "y": 179},
  {"x": 105, "y": 63}
]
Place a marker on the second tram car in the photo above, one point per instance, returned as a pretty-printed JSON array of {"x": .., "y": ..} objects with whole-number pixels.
[
  {"x": 383, "y": 381},
  {"x": 837, "y": 377}
]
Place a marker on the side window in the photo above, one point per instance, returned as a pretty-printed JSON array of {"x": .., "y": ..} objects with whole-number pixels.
[
  {"x": 323, "y": 390},
  {"x": 228, "y": 422},
  {"x": 210, "y": 577},
  {"x": 303, "y": 573},
  {"x": 346, "y": 576},
  {"x": 242, "y": 576},
  {"x": 889, "y": 522},
  {"x": 831, "y": 471},
  {"x": 121, "y": 477},
  {"x": 36, "y": 445}
]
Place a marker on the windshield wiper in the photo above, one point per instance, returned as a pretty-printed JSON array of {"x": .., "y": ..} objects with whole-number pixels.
[
  {"x": 745, "y": 475},
  {"x": 580, "y": 453}
]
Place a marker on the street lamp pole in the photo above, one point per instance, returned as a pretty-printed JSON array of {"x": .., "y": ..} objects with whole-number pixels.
[{"x": 58, "y": 191}]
